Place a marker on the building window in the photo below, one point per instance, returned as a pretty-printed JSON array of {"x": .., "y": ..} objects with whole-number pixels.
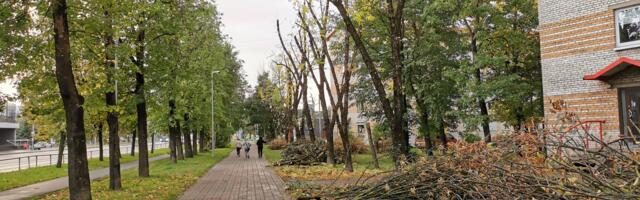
[
  {"x": 360, "y": 130},
  {"x": 628, "y": 27}
]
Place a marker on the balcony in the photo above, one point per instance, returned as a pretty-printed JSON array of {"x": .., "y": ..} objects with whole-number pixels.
[{"x": 10, "y": 119}]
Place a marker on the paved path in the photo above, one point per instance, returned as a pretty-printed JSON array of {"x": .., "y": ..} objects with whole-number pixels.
[
  {"x": 62, "y": 183},
  {"x": 239, "y": 178}
]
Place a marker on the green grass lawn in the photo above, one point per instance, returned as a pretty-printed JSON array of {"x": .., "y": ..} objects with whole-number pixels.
[
  {"x": 362, "y": 161},
  {"x": 29, "y": 176},
  {"x": 271, "y": 155},
  {"x": 167, "y": 181}
]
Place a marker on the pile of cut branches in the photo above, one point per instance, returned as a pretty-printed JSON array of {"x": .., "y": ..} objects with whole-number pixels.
[
  {"x": 303, "y": 153},
  {"x": 514, "y": 167}
]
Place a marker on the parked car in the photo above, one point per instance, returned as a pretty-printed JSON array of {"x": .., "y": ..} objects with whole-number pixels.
[{"x": 40, "y": 145}]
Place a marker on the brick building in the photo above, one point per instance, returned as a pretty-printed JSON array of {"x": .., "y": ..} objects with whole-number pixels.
[{"x": 590, "y": 52}]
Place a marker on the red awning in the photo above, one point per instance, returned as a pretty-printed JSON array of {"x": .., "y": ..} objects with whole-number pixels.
[{"x": 613, "y": 68}]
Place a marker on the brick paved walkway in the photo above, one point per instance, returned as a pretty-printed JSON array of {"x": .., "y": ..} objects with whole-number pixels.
[{"x": 239, "y": 178}]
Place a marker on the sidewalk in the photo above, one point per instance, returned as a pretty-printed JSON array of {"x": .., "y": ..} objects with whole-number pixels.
[
  {"x": 239, "y": 178},
  {"x": 63, "y": 182}
]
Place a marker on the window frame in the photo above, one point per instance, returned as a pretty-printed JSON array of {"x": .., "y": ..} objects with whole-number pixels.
[{"x": 619, "y": 44}]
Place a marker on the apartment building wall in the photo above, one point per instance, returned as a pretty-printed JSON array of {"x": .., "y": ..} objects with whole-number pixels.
[{"x": 578, "y": 38}]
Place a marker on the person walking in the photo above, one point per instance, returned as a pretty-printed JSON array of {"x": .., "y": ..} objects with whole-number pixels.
[
  {"x": 238, "y": 147},
  {"x": 260, "y": 144},
  {"x": 247, "y": 147}
]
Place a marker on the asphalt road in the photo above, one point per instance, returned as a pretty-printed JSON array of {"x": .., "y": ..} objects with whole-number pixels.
[{"x": 23, "y": 159}]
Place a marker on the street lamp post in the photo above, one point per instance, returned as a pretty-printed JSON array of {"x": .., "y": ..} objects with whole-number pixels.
[{"x": 213, "y": 135}]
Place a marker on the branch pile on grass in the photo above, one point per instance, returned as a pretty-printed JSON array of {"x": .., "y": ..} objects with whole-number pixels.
[
  {"x": 308, "y": 153},
  {"x": 514, "y": 167},
  {"x": 277, "y": 144},
  {"x": 303, "y": 153}
]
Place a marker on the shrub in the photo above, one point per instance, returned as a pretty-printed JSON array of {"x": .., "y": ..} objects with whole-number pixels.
[{"x": 277, "y": 144}]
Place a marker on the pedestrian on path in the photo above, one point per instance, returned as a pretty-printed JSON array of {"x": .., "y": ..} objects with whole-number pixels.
[
  {"x": 247, "y": 147},
  {"x": 260, "y": 144},
  {"x": 238, "y": 147}
]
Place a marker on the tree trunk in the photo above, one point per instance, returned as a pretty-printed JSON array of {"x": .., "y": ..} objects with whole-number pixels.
[
  {"x": 153, "y": 143},
  {"x": 443, "y": 135},
  {"x": 62, "y": 143},
  {"x": 427, "y": 136},
  {"x": 346, "y": 145},
  {"x": 328, "y": 134},
  {"x": 188, "y": 150},
  {"x": 194, "y": 146},
  {"x": 400, "y": 135},
  {"x": 79, "y": 182},
  {"x": 328, "y": 123},
  {"x": 484, "y": 113},
  {"x": 100, "y": 147},
  {"x": 172, "y": 132},
  {"x": 305, "y": 107},
  {"x": 179, "y": 141},
  {"x": 405, "y": 122},
  {"x": 481, "y": 102},
  {"x": 372, "y": 145},
  {"x": 141, "y": 108},
  {"x": 115, "y": 182},
  {"x": 307, "y": 113},
  {"x": 520, "y": 117},
  {"x": 133, "y": 143},
  {"x": 201, "y": 141},
  {"x": 344, "y": 105},
  {"x": 300, "y": 132}
]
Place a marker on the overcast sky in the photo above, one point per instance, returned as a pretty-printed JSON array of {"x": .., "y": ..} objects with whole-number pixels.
[{"x": 251, "y": 25}]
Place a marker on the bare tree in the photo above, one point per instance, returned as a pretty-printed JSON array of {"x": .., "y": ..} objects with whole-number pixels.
[
  {"x": 297, "y": 82},
  {"x": 320, "y": 82},
  {"x": 339, "y": 103}
]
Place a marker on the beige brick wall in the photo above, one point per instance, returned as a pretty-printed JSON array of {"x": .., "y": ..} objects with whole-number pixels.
[
  {"x": 591, "y": 33},
  {"x": 577, "y": 38},
  {"x": 557, "y": 10},
  {"x": 602, "y": 105}
]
